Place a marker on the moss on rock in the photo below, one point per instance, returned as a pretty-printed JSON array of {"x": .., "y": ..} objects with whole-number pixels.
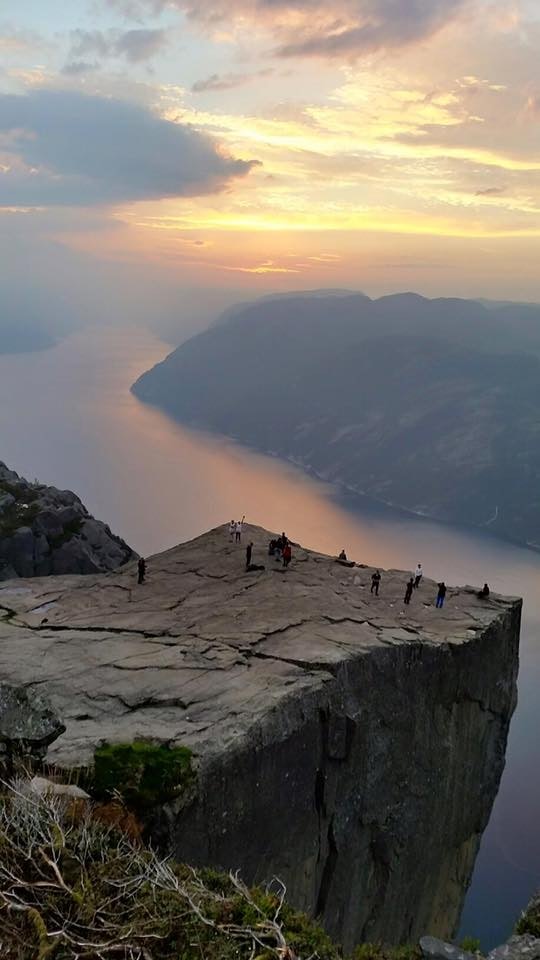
[{"x": 143, "y": 774}]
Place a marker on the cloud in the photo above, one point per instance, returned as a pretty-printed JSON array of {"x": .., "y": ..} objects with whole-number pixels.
[
  {"x": 135, "y": 45},
  {"x": 491, "y": 192},
  {"x": 66, "y": 148},
  {"x": 533, "y": 106},
  {"x": 227, "y": 81},
  {"x": 309, "y": 28},
  {"x": 76, "y": 68}
]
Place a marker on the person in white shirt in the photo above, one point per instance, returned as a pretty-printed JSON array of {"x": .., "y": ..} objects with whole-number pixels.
[
  {"x": 238, "y": 530},
  {"x": 418, "y": 574},
  {"x": 232, "y": 529}
]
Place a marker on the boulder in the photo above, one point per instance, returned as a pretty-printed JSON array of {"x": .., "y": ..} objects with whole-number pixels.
[
  {"x": 46, "y": 788},
  {"x": 526, "y": 947},
  {"x": 28, "y": 723},
  {"x": 434, "y": 949}
]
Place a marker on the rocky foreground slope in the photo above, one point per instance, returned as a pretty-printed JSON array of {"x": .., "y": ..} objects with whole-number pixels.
[
  {"x": 343, "y": 742},
  {"x": 46, "y": 531}
]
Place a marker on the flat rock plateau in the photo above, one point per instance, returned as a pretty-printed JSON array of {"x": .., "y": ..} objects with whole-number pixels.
[{"x": 346, "y": 743}]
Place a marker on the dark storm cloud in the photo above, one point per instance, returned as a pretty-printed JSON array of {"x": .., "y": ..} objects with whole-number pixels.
[
  {"x": 306, "y": 28},
  {"x": 71, "y": 149}
]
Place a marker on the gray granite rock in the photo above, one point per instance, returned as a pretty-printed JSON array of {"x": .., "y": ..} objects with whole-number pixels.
[
  {"x": 434, "y": 949},
  {"x": 47, "y": 531},
  {"x": 344, "y": 742},
  {"x": 28, "y": 723},
  {"x": 526, "y": 947}
]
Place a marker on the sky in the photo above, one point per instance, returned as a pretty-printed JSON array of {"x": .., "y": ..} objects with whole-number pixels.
[{"x": 167, "y": 157}]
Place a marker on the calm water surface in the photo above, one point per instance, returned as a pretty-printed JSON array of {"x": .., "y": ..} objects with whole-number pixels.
[{"x": 66, "y": 416}]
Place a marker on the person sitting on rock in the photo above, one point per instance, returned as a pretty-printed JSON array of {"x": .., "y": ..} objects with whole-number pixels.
[
  {"x": 375, "y": 582},
  {"x": 141, "y": 570},
  {"x": 483, "y": 594},
  {"x": 343, "y": 555},
  {"x": 409, "y": 591},
  {"x": 287, "y": 554}
]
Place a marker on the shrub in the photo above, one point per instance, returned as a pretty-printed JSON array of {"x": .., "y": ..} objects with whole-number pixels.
[
  {"x": 77, "y": 889},
  {"x": 470, "y": 945},
  {"x": 144, "y": 775},
  {"x": 529, "y": 921}
]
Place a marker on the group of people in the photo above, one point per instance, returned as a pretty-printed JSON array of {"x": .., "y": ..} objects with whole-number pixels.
[
  {"x": 413, "y": 584},
  {"x": 280, "y": 549},
  {"x": 235, "y": 530}
]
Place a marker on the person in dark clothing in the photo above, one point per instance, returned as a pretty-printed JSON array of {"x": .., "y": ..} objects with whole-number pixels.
[
  {"x": 483, "y": 594},
  {"x": 272, "y": 548},
  {"x": 409, "y": 591},
  {"x": 287, "y": 555},
  {"x": 343, "y": 555},
  {"x": 249, "y": 551},
  {"x": 441, "y": 595},
  {"x": 284, "y": 539},
  {"x": 141, "y": 570},
  {"x": 375, "y": 583}
]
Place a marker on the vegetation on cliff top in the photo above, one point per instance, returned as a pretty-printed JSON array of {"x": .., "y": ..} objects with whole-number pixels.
[
  {"x": 73, "y": 888},
  {"x": 145, "y": 775},
  {"x": 529, "y": 922}
]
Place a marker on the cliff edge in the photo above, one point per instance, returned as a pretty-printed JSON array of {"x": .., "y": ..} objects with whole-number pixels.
[{"x": 346, "y": 743}]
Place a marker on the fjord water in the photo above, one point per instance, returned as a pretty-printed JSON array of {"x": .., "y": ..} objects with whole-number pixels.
[{"x": 67, "y": 417}]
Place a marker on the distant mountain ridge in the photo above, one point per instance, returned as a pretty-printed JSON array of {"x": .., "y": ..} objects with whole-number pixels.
[{"x": 430, "y": 405}]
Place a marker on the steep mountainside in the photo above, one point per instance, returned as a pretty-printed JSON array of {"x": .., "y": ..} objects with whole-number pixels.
[
  {"x": 431, "y": 405},
  {"x": 341, "y": 741},
  {"x": 48, "y": 531}
]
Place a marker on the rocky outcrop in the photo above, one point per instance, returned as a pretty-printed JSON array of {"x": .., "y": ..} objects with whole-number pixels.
[
  {"x": 523, "y": 945},
  {"x": 46, "y": 531},
  {"x": 346, "y": 743},
  {"x": 28, "y": 725}
]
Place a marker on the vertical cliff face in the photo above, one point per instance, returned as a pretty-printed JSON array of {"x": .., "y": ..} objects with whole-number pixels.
[
  {"x": 369, "y": 796},
  {"x": 345, "y": 743}
]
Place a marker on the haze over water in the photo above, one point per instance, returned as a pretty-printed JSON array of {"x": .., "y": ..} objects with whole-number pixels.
[{"x": 68, "y": 418}]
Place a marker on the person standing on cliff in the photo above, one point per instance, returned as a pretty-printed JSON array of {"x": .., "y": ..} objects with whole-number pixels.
[
  {"x": 238, "y": 529},
  {"x": 418, "y": 574},
  {"x": 409, "y": 591},
  {"x": 249, "y": 551},
  {"x": 287, "y": 554},
  {"x": 375, "y": 583},
  {"x": 141, "y": 570},
  {"x": 232, "y": 530},
  {"x": 441, "y": 595}
]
